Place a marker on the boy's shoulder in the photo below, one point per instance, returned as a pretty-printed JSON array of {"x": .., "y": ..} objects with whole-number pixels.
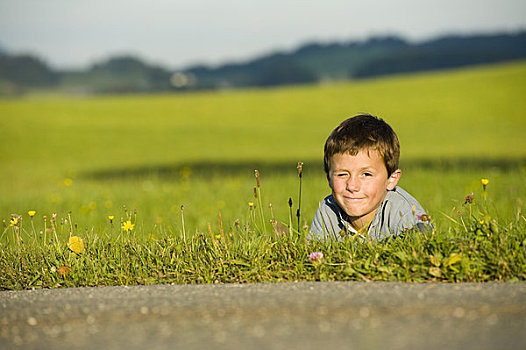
[
  {"x": 399, "y": 211},
  {"x": 401, "y": 197},
  {"x": 330, "y": 206}
]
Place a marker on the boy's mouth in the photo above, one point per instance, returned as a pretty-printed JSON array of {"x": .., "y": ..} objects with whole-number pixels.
[{"x": 352, "y": 198}]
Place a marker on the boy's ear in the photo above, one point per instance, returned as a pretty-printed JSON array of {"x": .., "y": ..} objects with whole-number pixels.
[{"x": 392, "y": 181}]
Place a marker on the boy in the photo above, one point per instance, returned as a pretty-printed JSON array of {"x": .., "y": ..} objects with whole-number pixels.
[{"x": 361, "y": 163}]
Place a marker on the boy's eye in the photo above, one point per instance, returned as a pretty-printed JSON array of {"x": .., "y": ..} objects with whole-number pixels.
[{"x": 367, "y": 174}]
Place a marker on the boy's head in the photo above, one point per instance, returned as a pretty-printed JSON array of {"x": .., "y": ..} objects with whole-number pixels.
[
  {"x": 361, "y": 162},
  {"x": 363, "y": 133}
]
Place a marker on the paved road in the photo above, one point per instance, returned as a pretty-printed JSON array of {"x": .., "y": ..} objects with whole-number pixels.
[{"x": 334, "y": 315}]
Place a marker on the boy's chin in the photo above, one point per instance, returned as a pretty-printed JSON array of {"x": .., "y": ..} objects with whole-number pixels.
[{"x": 359, "y": 216}]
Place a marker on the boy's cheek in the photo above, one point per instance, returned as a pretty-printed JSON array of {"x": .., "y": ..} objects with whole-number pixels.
[{"x": 330, "y": 181}]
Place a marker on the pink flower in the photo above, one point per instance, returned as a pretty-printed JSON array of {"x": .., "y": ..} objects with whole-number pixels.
[{"x": 315, "y": 257}]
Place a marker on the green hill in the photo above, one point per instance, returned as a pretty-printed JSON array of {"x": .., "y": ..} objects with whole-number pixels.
[{"x": 310, "y": 63}]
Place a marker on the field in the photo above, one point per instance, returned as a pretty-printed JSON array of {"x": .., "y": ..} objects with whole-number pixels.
[{"x": 144, "y": 157}]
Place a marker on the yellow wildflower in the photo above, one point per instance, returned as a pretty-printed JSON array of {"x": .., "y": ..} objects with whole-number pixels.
[
  {"x": 111, "y": 217},
  {"x": 13, "y": 221},
  {"x": 218, "y": 236},
  {"x": 484, "y": 182},
  {"x": 250, "y": 204},
  {"x": 68, "y": 182},
  {"x": 31, "y": 213},
  {"x": 76, "y": 245},
  {"x": 128, "y": 226}
]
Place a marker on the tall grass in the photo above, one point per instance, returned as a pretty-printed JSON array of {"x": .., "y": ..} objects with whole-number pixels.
[{"x": 476, "y": 247}]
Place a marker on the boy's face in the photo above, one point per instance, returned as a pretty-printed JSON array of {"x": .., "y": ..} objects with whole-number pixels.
[{"x": 359, "y": 184}]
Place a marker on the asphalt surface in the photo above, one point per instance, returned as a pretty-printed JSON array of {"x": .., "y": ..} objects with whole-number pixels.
[{"x": 329, "y": 315}]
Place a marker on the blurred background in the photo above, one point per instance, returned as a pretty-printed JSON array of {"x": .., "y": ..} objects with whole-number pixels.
[{"x": 139, "y": 46}]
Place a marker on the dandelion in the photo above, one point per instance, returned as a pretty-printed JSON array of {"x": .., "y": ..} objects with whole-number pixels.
[
  {"x": 251, "y": 204},
  {"x": 13, "y": 221},
  {"x": 128, "y": 226},
  {"x": 218, "y": 236},
  {"x": 68, "y": 182},
  {"x": 111, "y": 218},
  {"x": 31, "y": 213},
  {"x": 315, "y": 257},
  {"x": 484, "y": 182},
  {"x": 76, "y": 245}
]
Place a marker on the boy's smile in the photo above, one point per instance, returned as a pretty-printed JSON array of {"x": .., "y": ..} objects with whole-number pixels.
[{"x": 359, "y": 184}]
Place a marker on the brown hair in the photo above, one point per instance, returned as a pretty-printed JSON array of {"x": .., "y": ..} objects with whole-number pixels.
[{"x": 363, "y": 132}]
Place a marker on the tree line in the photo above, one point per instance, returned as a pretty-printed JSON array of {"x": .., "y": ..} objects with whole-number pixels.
[{"x": 309, "y": 63}]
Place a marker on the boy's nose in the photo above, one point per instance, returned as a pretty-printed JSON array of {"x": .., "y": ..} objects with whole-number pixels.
[{"x": 353, "y": 185}]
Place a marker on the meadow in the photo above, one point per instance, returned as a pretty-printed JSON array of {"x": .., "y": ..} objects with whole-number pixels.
[{"x": 181, "y": 167}]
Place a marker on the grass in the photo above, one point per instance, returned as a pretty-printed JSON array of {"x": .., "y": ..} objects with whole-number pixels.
[
  {"x": 476, "y": 248},
  {"x": 142, "y": 157}
]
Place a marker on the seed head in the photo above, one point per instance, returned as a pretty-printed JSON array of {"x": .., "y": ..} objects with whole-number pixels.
[
  {"x": 256, "y": 173},
  {"x": 300, "y": 169},
  {"x": 469, "y": 199}
]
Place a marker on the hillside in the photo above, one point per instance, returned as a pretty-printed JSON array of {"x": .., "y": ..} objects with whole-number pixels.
[
  {"x": 310, "y": 63},
  {"x": 376, "y": 56}
]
